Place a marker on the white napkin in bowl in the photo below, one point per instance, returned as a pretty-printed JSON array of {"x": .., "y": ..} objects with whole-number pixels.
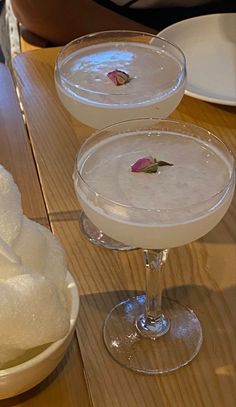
[{"x": 34, "y": 308}]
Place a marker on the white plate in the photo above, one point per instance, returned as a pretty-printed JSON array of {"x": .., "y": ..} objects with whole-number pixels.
[{"x": 209, "y": 45}]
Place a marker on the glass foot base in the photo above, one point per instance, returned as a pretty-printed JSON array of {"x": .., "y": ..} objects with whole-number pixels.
[
  {"x": 97, "y": 237},
  {"x": 164, "y": 354}
]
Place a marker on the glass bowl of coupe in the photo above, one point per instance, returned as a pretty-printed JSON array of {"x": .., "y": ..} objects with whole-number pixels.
[{"x": 154, "y": 184}]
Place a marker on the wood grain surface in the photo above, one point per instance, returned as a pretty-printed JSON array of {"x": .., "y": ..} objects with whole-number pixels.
[
  {"x": 200, "y": 275},
  {"x": 66, "y": 386}
]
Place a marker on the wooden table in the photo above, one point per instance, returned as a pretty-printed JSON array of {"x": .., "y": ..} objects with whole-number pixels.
[{"x": 200, "y": 275}]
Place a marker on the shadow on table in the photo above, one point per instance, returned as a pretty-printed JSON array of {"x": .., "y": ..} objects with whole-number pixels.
[
  {"x": 216, "y": 312},
  {"x": 204, "y": 301}
]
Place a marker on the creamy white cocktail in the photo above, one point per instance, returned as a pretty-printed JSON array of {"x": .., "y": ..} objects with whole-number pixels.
[
  {"x": 171, "y": 207},
  {"x": 155, "y": 68},
  {"x": 154, "y": 184}
]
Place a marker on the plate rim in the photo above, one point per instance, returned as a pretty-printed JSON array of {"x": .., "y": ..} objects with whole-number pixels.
[{"x": 188, "y": 92}]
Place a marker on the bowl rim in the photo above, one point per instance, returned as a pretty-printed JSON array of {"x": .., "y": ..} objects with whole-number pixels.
[{"x": 72, "y": 286}]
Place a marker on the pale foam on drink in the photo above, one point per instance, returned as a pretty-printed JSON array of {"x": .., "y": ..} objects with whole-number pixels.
[
  {"x": 176, "y": 205},
  {"x": 198, "y": 172},
  {"x": 156, "y": 85},
  {"x": 154, "y": 73}
]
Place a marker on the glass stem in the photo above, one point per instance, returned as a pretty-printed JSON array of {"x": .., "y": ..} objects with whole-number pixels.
[{"x": 153, "y": 322}]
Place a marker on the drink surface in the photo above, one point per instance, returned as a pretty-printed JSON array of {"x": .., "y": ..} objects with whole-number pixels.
[
  {"x": 174, "y": 206},
  {"x": 198, "y": 172},
  {"x": 154, "y": 74}
]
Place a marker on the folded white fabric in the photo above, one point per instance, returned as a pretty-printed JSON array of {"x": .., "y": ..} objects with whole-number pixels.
[
  {"x": 10, "y": 207},
  {"x": 34, "y": 308}
]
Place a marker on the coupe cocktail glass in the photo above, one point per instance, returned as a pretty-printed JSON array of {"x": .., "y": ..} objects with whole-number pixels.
[
  {"x": 157, "y": 72},
  {"x": 154, "y": 211}
]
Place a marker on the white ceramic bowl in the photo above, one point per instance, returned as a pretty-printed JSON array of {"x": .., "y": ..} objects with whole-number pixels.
[{"x": 22, "y": 377}]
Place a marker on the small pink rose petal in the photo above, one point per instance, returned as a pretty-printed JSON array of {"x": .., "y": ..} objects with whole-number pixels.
[
  {"x": 118, "y": 77},
  {"x": 142, "y": 163}
]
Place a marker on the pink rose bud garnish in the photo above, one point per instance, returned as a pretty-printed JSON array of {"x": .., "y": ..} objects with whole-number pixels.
[
  {"x": 142, "y": 163},
  {"x": 148, "y": 164},
  {"x": 118, "y": 77}
]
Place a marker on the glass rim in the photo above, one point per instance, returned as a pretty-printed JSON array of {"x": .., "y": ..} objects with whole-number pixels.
[
  {"x": 73, "y": 85},
  {"x": 222, "y": 192}
]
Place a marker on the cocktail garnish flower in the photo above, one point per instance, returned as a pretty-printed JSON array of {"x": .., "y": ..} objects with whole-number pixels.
[
  {"x": 148, "y": 164},
  {"x": 118, "y": 77}
]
